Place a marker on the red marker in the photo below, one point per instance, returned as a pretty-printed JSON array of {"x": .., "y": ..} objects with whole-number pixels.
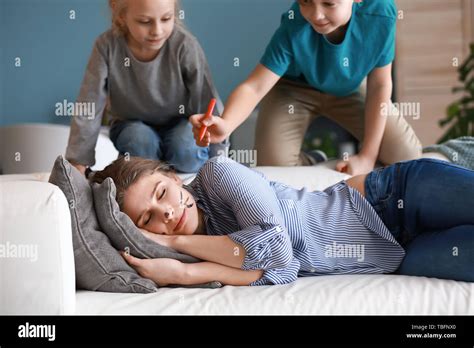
[{"x": 208, "y": 114}]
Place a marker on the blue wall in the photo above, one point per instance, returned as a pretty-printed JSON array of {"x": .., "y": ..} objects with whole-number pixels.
[{"x": 54, "y": 49}]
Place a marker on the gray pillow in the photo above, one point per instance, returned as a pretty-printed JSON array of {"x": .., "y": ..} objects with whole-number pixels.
[
  {"x": 123, "y": 233},
  {"x": 98, "y": 264}
]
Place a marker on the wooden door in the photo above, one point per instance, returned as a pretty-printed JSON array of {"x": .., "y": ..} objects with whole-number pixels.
[{"x": 433, "y": 38}]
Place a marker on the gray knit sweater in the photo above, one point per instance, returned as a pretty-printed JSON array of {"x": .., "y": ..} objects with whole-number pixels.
[
  {"x": 459, "y": 151},
  {"x": 175, "y": 85}
]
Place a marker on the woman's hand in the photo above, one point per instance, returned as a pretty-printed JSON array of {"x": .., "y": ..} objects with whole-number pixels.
[
  {"x": 161, "y": 239},
  {"x": 217, "y": 130},
  {"x": 356, "y": 165},
  {"x": 162, "y": 271}
]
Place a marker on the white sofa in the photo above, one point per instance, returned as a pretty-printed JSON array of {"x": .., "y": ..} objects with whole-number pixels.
[{"x": 34, "y": 212}]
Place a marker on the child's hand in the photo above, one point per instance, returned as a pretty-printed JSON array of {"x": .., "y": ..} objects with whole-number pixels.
[
  {"x": 216, "y": 129},
  {"x": 356, "y": 165},
  {"x": 162, "y": 271}
]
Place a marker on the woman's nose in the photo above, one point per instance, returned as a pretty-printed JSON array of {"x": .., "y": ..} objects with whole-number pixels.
[{"x": 169, "y": 213}]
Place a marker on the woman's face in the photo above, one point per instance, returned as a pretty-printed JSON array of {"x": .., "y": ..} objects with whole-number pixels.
[
  {"x": 150, "y": 22},
  {"x": 159, "y": 204},
  {"x": 326, "y": 16}
]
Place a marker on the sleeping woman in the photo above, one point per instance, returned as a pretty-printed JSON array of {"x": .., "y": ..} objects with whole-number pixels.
[{"x": 413, "y": 218}]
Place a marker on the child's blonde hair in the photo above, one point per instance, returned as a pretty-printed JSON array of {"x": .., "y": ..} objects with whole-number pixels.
[{"x": 117, "y": 8}]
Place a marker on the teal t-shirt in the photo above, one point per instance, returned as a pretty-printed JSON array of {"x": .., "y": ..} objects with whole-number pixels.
[{"x": 298, "y": 52}]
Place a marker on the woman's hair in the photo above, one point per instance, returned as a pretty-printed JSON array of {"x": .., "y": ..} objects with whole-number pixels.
[
  {"x": 118, "y": 7},
  {"x": 125, "y": 171}
]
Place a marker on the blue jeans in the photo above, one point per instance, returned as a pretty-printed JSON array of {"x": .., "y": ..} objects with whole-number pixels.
[
  {"x": 173, "y": 144},
  {"x": 428, "y": 206}
]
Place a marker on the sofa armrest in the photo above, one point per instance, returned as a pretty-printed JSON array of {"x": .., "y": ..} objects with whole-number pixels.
[{"x": 36, "y": 253}]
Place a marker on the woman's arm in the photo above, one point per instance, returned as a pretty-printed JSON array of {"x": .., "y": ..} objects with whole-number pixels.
[
  {"x": 218, "y": 249},
  {"x": 169, "y": 271},
  {"x": 227, "y": 252},
  {"x": 204, "y": 272}
]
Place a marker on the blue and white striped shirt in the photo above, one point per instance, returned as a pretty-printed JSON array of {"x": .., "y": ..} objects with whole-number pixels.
[{"x": 289, "y": 232}]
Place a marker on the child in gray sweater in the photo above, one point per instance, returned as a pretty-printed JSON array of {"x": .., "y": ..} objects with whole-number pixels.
[{"x": 148, "y": 74}]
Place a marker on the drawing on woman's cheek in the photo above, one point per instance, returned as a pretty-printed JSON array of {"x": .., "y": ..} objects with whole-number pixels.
[{"x": 182, "y": 203}]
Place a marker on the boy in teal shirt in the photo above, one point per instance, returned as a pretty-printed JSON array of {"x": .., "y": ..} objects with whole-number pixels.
[{"x": 314, "y": 65}]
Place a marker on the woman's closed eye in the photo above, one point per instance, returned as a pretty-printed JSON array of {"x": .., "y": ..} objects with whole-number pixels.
[
  {"x": 148, "y": 220},
  {"x": 151, "y": 215}
]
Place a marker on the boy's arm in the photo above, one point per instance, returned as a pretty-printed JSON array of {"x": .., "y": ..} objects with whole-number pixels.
[
  {"x": 247, "y": 95},
  {"x": 379, "y": 91},
  {"x": 238, "y": 107}
]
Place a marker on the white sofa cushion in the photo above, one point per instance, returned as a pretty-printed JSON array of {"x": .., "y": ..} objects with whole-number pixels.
[
  {"x": 323, "y": 295},
  {"x": 316, "y": 177},
  {"x": 35, "y": 215}
]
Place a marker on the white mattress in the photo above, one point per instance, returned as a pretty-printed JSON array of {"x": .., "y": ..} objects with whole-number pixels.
[{"x": 324, "y": 295}]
